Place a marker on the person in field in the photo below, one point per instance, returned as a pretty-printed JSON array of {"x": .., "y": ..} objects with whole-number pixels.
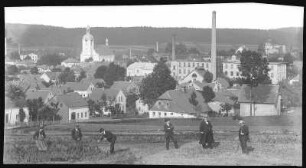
[
  {"x": 243, "y": 136},
  {"x": 206, "y": 133},
  {"x": 169, "y": 134},
  {"x": 110, "y": 137},
  {"x": 39, "y": 137},
  {"x": 76, "y": 133}
]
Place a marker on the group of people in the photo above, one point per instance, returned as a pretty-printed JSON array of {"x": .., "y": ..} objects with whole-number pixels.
[
  {"x": 76, "y": 135},
  {"x": 206, "y": 135}
]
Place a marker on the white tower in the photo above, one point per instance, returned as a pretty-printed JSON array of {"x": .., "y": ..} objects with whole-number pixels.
[
  {"x": 88, "y": 50},
  {"x": 213, "y": 57}
]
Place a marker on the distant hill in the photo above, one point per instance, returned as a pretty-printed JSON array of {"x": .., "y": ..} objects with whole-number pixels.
[{"x": 46, "y": 36}]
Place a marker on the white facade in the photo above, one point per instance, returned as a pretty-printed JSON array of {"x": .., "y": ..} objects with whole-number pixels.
[
  {"x": 231, "y": 68},
  {"x": 12, "y": 115},
  {"x": 163, "y": 114},
  {"x": 43, "y": 70},
  {"x": 193, "y": 76},
  {"x": 33, "y": 57},
  {"x": 180, "y": 68},
  {"x": 277, "y": 72},
  {"x": 88, "y": 50},
  {"x": 140, "y": 69},
  {"x": 81, "y": 113},
  {"x": 141, "y": 107},
  {"x": 121, "y": 99}
]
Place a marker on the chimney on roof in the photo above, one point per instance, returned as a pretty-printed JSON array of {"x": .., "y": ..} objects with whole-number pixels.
[
  {"x": 173, "y": 47},
  {"x": 213, "y": 47}
]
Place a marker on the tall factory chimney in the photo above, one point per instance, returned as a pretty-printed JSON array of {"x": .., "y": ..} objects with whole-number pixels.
[
  {"x": 173, "y": 47},
  {"x": 213, "y": 52},
  {"x": 156, "y": 46},
  {"x": 130, "y": 53}
]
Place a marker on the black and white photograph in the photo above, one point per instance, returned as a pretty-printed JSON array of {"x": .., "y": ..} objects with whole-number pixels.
[{"x": 215, "y": 84}]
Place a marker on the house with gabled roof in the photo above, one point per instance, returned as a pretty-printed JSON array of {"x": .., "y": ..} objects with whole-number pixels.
[
  {"x": 265, "y": 101},
  {"x": 50, "y": 77},
  {"x": 113, "y": 96},
  {"x": 82, "y": 88},
  {"x": 195, "y": 75},
  {"x": 175, "y": 104},
  {"x": 72, "y": 108}
]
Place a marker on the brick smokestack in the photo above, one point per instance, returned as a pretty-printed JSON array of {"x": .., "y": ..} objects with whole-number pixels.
[
  {"x": 156, "y": 48},
  {"x": 213, "y": 57},
  {"x": 173, "y": 47}
]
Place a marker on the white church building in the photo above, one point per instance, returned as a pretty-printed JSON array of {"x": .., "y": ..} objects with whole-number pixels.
[{"x": 103, "y": 53}]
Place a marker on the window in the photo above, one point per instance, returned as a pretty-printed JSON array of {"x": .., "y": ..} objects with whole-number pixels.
[
  {"x": 159, "y": 113},
  {"x": 225, "y": 72},
  {"x": 179, "y": 71},
  {"x": 81, "y": 115},
  {"x": 202, "y": 64},
  {"x": 232, "y": 66},
  {"x": 206, "y": 65},
  {"x": 237, "y": 73},
  {"x": 165, "y": 114},
  {"x": 153, "y": 113},
  {"x": 184, "y": 64},
  {"x": 232, "y": 73},
  {"x": 85, "y": 114},
  {"x": 159, "y": 103},
  {"x": 193, "y": 64},
  {"x": 78, "y": 116},
  {"x": 171, "y": 113},
  {"x": 174, "y": 67},
  {"x": 179, "y": 64},
  {"x": 188, "y": 64}
]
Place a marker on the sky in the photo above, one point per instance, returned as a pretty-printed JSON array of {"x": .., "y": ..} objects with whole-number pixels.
[{"x": 230, "y": 15}]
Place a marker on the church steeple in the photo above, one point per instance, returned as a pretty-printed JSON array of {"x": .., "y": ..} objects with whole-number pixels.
[{"x": 88, "y": 29}]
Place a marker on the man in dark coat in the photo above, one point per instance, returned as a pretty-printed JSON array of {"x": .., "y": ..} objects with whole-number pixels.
[
  {"x": 243, "y": 136},
  {"x": 39, "y": 137},
  {"x": 169, "y": 134},
  {"x": 206, "y": 133},
  {"x": 76, "y": 133},
  {"x": 110, "y": 137}
]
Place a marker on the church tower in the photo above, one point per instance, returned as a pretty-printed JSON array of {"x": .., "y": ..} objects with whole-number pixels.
[{"x": 88, "y": 50}]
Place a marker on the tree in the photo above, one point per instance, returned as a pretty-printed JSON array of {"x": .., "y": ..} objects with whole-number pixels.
[
  {"x": 35, "y": 108},
  {"x": 208, "y": 94},
  {"x": 91, "y": 106},
  {"x": 34, "y": 70},
  {"x": 99, "y": 84},
  {"x": 49, "y": 112},
  {"x": 100, "y": 72},
  {"x": 193, "y": 100},
  {"x": 15, "y": 55},
  {"x": 22, "y": 115},
  {"x": 208, "y": 77},
  {"x": 17, "y": 95},
  {"x": 82, "y": 75},
  {"x": 12, "y": 70},
  {"x": 156, "y": 83},
  {"x": 288, "y": 58},
  {"x": 50, "y": 59},
  {"x": 226, "y": 107},
  {"x": 131, "y": 102},
  {"x": 254, "y": 70},
  {"x": 66, "y": 76}
]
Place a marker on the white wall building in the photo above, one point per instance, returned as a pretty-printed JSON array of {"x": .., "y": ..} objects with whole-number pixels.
[
  {"x": 12, "y": 116},
  {"x": 140, "y": 69}
]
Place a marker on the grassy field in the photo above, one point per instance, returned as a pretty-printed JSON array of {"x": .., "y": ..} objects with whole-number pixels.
[{"x": 275, "y": 140}]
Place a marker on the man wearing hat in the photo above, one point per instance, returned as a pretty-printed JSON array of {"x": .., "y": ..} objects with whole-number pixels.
[
  {"x": 169, "y": 134},
  {"x": 243, "y": 136},
  {"x": 39, "y": 137},
  {"x": 206, "y": 133},
  {"x": 76, "y": 133},
  {"x": 110, "y": 137}
]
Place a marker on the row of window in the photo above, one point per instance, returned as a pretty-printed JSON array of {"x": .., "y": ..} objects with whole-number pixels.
[
  {"x": 190, "y": 64},
  {"x": 231, "y": 74},
  {"x": 159, "y": 114},
  {"x": 231, "y": 66},
  {"x": 81, "y": 116}
]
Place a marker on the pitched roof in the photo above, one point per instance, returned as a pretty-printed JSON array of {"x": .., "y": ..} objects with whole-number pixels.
[
  {"x": 96, "y": 95},
  {"x": 35, "y": 94},
  {"x": 53, "y": 75},
  {"x": 122, "y": 85},
  {"x": 91, "y": 80},
  {"x": 266, "y": 94},
  {"x": 104, "y": 50},
  {"x": 77, "y": 85},
  {"x": 223, "y": 82},
  {"x": 179, "y": 102},
  {"x": 223, "y": 97},
  {"x": 72, "y": 99}
]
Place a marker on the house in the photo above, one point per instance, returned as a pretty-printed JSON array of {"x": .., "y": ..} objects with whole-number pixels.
[
  {"x": 32, "y": 56},
  {"x": 50, "y": 77},
  {"x": 141, "y": 107},
  {"x": 30, "y": 81},
  {"x": 196, "y": 75},
  {"x": 70, "y": 62},
  {"x": 140, "y": 69},
  {"x": 72, "y": 108},
  {"x": 83, "y": 89},
  {"x": 113, "y": 96},
  {"x": 266, "y": 100},
  {"x": 12, "y": 116},
  {"x": 175, "y": 104},
  {"x": 46, "y": 95}
]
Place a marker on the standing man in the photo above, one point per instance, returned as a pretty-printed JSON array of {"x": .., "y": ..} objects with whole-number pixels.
[
  {"x": 169, "y": 134},
  {"x": 110, "y": 138},
  {"x": 76, "y": 133},
  {"x": 39, "y": 137},
  {"x": 206, "y": 133},
  {"x": 243, "y": 136}
]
